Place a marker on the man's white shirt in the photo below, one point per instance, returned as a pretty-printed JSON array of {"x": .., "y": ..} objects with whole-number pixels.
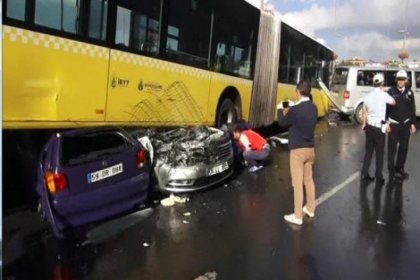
[{"x": 376, "y": 102}]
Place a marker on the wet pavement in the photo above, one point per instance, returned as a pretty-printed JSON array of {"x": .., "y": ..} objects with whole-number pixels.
[{"x": 236, "y": 230}]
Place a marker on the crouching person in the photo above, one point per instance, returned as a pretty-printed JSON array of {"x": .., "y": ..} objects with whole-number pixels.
[{"x": 254, "y": 147}]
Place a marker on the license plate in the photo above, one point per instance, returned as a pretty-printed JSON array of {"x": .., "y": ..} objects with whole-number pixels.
[
  {"x": 105, "y": 173},
  {"x": 218, "y": 169}
]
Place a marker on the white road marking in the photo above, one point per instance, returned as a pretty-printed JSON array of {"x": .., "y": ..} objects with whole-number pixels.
[{"x": 336, "y": 189}]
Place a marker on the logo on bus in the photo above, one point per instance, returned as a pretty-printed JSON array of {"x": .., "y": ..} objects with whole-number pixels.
[
  {"x": 153, "y": 86},
  {"x": 118, "y": 82}
]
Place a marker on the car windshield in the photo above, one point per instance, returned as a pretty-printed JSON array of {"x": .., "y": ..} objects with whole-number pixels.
[{"x": 88, "y": 147}]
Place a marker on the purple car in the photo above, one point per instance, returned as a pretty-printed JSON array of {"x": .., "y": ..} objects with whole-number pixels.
[{"x": 88, "y": 175}]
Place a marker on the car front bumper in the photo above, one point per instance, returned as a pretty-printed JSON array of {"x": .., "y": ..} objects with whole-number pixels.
[{"x": 191, "y": 178}]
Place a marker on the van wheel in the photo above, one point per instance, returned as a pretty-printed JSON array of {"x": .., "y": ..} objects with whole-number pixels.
[
  {"x": 226, "y": 113},
  {"x": 358, "y": 114}
]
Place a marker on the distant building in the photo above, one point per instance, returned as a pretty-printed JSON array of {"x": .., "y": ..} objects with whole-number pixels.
[
  {"x": 413, "y": 64},
  {"x": 358, "y": 61},
  {"x": 355, "y": 61}
]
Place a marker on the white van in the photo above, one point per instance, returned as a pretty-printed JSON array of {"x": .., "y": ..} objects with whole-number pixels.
[{"x": 350, "y": 84}]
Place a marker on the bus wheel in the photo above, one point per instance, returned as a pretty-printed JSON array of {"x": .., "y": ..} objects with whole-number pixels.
[
  {"x": 226, "y": 113},
  {"x": 358, "y": 114}
]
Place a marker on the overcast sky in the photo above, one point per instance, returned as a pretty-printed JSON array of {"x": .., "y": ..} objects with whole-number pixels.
[{"x": 365, "y": 28}]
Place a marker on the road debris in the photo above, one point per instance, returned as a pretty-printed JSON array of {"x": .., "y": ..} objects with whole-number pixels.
[
  {"x": 145, "y": 244},
  {"x": 187, "y": 214},
  {"x": 381, "y": 223},
  {"x": 208, "y": 276},
  {"x": 180, "y": 199},
  {"x": 167, "y": 202},
  {"x": 185, "y": 222},
  {"x": 172, "y": 199},
  {"x": 273, "y": 139}
]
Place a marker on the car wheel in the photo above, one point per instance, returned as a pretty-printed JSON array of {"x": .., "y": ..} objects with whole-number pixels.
[
  {"x": 358, "y": 114},
  {"x": 226, "y": 113}
]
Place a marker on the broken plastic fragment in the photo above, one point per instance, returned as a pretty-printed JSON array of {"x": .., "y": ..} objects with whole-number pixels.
[
  {"x": 179, "y": 199},
  {"x": 208, "y": 276},
  {"x": 167, "y": 202}
]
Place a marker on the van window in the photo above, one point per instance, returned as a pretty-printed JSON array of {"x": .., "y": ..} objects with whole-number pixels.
[
  {"x": 409, "y": 81},
  {"x": 365, "y": 77},
  {"x": 417, "y": 77},
  {"x": 390, "y": 80}
]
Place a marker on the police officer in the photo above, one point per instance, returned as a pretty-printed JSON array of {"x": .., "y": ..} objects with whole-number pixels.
[
  {"x": 402, "y": 119},
  {"x": 374, "y": 110}
]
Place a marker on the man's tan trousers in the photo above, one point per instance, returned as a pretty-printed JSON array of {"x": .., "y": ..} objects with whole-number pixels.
[{"x": 301, "y": 163}]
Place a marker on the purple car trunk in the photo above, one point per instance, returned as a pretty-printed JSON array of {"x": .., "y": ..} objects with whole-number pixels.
[{"x": 102, "y": 172}]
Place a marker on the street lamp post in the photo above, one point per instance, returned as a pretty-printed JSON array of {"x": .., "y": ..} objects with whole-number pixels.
[{"x": 404, "y": 53}]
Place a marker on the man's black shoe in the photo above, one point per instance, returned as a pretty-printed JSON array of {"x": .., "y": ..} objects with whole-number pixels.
[
  {"x": 367, "y": 178},
  {"x": 380, "y": 181},
  {"x": 401, "y": 175}
]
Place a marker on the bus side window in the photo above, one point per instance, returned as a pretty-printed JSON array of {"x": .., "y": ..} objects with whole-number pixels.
[
  {"x": 233, "y": 45},
  {"x": 188, "y": 32},
  {"x": 16, "y": 9},
  {"x": 137, "y": 26},
  {"x": 98, "y": 12},
  {"x": 57, "y": 15}
]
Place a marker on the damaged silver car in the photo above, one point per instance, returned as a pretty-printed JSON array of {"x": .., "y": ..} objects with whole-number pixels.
[{"x": 188, "y": 159}]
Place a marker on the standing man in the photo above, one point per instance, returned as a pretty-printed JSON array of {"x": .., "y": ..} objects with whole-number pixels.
[
  {"x": 374, "y": 110},
  {"x": 402, "y": 119},
  {"x": 301, "y": 120}
]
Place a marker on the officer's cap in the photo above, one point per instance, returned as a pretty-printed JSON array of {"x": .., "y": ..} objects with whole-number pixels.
[{"x": 401, "y": 75}]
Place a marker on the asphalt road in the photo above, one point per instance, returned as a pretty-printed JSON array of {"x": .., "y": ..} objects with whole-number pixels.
[{"x": 237, "y": 231}]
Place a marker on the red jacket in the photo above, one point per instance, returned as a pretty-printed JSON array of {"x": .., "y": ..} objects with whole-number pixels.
[{"x": 250, "y": 140}]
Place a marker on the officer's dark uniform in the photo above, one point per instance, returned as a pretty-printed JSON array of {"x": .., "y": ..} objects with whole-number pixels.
[{"x": 401, "y": 117}]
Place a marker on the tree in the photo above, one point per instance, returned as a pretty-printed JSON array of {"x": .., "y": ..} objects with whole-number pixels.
[{"x": 403, "y": 55}]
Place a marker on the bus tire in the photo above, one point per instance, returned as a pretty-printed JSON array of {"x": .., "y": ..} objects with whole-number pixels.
[
  {"x": 226, "y": 113},
  {"x": 358, "y": 114}
]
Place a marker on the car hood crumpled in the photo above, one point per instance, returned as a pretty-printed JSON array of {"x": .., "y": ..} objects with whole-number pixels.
[{"x": 190, "y": 147}]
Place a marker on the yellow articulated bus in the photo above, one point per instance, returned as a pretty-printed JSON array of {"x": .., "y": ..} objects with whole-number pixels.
[{"x": 78, "y": 63}]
